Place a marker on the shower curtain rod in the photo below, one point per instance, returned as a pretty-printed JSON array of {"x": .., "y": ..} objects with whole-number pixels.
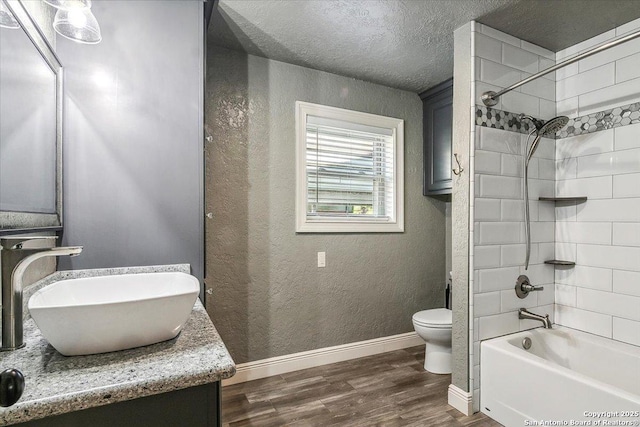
[{"x": 490, "y": 98}]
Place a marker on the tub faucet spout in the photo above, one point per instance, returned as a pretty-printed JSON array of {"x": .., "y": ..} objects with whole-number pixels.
[
  {"x": 15, "y": 260},
  {"x": 525, "y": 314}
]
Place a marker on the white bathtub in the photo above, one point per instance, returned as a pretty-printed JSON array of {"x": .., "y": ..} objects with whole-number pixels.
[{"x": 566, "y": 376}]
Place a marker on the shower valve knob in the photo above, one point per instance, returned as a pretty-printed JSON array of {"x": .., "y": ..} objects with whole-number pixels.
[{"x": 524, "y": 286}]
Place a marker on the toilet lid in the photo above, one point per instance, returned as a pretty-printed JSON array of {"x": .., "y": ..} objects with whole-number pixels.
[{"x": 437, "y": 318}]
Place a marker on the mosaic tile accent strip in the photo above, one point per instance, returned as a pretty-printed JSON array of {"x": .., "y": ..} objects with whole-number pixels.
[
  {"x": 602, "y": 120},
  {"x": 499, "y": 119}
]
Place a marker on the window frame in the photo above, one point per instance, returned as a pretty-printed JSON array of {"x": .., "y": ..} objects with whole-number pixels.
[{"x": 337, "y": 224}]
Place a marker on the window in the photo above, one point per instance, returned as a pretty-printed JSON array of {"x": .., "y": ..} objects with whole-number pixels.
[{"x": 349, "y": 171}]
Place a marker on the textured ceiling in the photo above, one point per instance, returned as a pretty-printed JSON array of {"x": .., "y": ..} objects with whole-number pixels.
[{"x": 407, "y": 44}]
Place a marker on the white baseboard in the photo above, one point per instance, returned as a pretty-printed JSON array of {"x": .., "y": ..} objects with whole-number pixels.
[
  {"x": 322, "y": 356},
  {"x": 460, "y": 399}
]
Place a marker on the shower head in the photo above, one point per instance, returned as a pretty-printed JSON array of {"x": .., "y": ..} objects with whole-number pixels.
[{"x": 549, "y": 128}]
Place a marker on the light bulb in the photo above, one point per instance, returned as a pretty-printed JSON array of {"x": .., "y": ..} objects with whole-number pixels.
[{"x": 77, "y": 18}]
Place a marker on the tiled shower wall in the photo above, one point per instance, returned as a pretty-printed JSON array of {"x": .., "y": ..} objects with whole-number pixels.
[
  {"x": 498, "y": 233},
  {"x": 601, "y": 295}
]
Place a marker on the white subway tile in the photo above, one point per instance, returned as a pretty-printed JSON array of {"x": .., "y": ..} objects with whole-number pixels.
[
  {"x": 492, "y": 233},
  {"x": 500, "y": 187},
  {"x": 500, "y": 141},
  {"x": 499, "y": 35},
  {"x": 626, "y": 185},
  {"x": 543, "y": 64},
  {"x": 541, "y": 88},
  {"x": 512, "y": 255},
  {"x": 512, "y": 210},
  {"x": 584, "y": 145},
  {"x": 546, "y": 148},
  {"x": 476, "y": 331},
  {"x": 626, "y": 234},
  {"x": 498, "y": 74},
  {"x": 617, "y": 257},
  {"x": 498, "y": 279},
  {"x": 546, "y": 211},
  {"x": 547, "y": 295},
  {"x": 594, "y": 188},
  {"x": 584, "y": 232},
  {"x": 519, "y": 58},
  {"x": 521, "y": 103},
  {"x": 612, "y": 96},
  {"x": 610, "y": 55},
  {"x": 497, "y": 325},
  {"x": 566, "y": 168},
  {"x": 540, "y": 51},
  {"x": 588, "y": 81},
  {"x": 540, "y": 188},
  {"x": 627, "y": 137},
  {"x": 586, "y": 277},
  {"x": 542, "y": 232},
  {"x": 545, "y": 251},
  {"x": 624, "y": 306},
  {"x": 567, "y": 71},
  {"x": 565, "y": 295},
  {"x": 565, "y": 251},
  {"x": 566, "y": 211},
  {"x": 568, "y": 107},
  {"x": 626, "y": 331},
  {"x": 487, "y": 162},
  {"x": 547, "y": 109},
  {"x": 487, "y": 209},
  {"x": 585, "y": 45},
  {"x": 486, "y": 256},
  {"x": 628, "y": 27},
  {"x": 614, "y": 163},
  {"x": 509, "y": 301},
  {"x": 488, "y": 48},
  {"x": 626, "y": 282},
  {"x": 486, "y": 304},
  {"x": 588, "y": 321},
  {"x": 628, "y": 68},
  {"x": 534, "y": 208},
  {"x": 511, "y": 165},
  {"x": 546, "y": 169},
  {"x": 539, "y": 274}
]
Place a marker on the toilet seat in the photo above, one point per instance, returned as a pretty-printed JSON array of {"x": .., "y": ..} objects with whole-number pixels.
[{"x": 439, "y": 318}]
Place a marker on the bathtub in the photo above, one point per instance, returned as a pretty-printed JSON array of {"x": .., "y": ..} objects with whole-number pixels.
[{"x": 566, "y": 378}]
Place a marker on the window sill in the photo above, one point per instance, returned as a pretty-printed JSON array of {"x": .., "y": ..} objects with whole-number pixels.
[{"x": 348, "y": 227}]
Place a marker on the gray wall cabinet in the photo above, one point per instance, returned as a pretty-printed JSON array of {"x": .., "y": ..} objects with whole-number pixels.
[{"x": 437, "y": 111}]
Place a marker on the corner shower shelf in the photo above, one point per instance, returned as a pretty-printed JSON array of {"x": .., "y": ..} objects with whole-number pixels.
[
  {"x": 563, "y": 199},
  {"x": 561, "y": 263}
]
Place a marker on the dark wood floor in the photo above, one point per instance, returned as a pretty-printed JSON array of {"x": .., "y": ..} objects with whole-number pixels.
[{"x": 390, "y": 389}]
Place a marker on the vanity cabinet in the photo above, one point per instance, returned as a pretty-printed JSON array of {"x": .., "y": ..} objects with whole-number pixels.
[{"x": 437, "y": 113}]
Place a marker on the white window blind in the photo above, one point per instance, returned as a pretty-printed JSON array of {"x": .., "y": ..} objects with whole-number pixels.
[{"x": 349, "y": 170}]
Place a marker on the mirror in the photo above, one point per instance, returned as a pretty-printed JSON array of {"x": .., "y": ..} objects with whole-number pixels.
[{"x": 30, "y": 124}]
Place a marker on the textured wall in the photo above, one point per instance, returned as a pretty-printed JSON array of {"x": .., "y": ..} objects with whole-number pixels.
[
  {"x": 460, "y": 207},
  {"x": 268, "y": 296},
  {"x": 43, "y": 14},
  {"x": 133, "y": 137}
]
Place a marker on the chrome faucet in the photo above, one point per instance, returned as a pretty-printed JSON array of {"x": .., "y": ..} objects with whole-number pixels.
[
  {"x": 15, "y": 260},
  {"x": 525, "y": 314}
]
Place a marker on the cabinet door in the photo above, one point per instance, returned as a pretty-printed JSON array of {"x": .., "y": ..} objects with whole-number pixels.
[{"x": 438, "y": 121}]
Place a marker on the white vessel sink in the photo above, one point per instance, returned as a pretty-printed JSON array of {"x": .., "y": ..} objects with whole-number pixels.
[{"x": 110, "y": 313}]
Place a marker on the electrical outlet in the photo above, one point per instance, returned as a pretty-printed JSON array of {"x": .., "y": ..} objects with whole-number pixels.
[{"x": 322, "y": 260}]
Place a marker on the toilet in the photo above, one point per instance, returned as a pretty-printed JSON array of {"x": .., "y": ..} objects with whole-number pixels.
[{"x": 434, "y": 327}]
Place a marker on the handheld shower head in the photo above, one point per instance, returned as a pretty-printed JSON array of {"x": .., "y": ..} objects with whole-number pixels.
[{"x": 549, "y": 128}]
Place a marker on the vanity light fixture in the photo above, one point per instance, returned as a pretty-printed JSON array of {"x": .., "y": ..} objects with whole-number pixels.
[
  {"x": 7, "y": 20},
  {"x": 78, "y": 25}
]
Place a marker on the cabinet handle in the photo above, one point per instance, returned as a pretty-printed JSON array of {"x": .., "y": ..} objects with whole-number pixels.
[{"x": 459, "y": 169}]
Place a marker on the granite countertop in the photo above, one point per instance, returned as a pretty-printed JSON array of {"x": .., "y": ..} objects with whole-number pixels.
[{"x": 56, "y": 384}]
